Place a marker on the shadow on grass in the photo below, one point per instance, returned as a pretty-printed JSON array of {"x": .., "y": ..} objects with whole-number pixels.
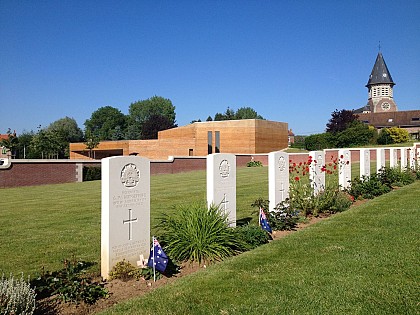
[{"x": 243, "y": 221}]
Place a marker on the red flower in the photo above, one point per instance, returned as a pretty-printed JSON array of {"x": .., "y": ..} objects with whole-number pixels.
[
  {"x": 294, "y": 164},
  {"x": 348, "y": 162},
  {"x": 323, "y": 169},
  {"x": 341, "y": 156},
  {"x": 297, "y": 178},
  {"x": 335, "y": 167}
]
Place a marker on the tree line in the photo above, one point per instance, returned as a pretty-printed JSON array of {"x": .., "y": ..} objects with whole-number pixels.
[
  {"x": 144, "y": 120},
  {"x": 344, "y": 130}
]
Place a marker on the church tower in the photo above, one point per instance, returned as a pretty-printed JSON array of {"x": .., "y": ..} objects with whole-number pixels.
[{"x": 380, "y": 87}]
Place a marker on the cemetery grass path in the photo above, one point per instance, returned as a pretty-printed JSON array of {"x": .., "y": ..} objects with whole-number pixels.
[{"x": 362, "y": 261}]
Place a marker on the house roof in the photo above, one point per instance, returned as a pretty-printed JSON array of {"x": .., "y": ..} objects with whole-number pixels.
[
  {"x": 380, "y": 73},
  {"x": 407, "y": 118},
  {"x": 4, "y": 137}
]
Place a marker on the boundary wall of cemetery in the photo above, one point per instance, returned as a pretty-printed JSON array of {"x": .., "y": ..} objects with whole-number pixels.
[{"x": 42, "y": 172}]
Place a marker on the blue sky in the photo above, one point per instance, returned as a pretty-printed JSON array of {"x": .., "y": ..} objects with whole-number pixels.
[{"x": 292, "y": 61}]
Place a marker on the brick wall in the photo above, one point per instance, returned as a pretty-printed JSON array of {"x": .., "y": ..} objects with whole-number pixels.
[
  {"x": 42, "y": 172},
  {"x": 33, "y": 173}
]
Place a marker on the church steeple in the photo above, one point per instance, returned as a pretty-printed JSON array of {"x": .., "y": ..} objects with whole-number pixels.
[
  {"x": 380, "y": 88},
  {"x": 380, "y": 73}
]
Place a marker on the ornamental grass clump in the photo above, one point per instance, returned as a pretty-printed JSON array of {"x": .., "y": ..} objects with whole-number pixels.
[
  {"x": 16, "y": 296},
  {"x": 198, "y": 234}
]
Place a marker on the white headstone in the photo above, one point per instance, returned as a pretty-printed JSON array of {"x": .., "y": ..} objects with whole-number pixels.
[
  {"x": 125, "y": 217},
  {"x": 393, "y": 157},
  {"x": 278, "y": 177},
  {"x": 316, "y": 175},
  {"x": 221, "y": 183},
  {"x": 417, "y": 158},
  {"x": 344, "y": 168},
  {"x": 380, "y": 159},
  {"x": 403, "y": 158},
  {"x": 413, "y": 158},
  {"x": 364, "y": 162}
]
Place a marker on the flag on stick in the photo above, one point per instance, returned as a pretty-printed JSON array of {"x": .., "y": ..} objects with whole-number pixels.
[
  {"x": 263, "y": 222},
  {"x": 157, "y": 259}
]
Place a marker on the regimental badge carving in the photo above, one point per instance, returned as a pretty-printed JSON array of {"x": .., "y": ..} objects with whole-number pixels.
[
  {"x": 282, "y": 163},
  {"x": 130, "y": 175},
  {"x": 320, "y": 159},
  {"x": 224, "y": 169}
]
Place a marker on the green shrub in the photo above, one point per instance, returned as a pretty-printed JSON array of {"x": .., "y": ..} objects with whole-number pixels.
[
  {"x": 198, "y": 234},
  {"x": 319, "y": 141},
  {"x": 91, "y": 173},
  {"x": 368, "y": 187},
  {"x": 16, "y": 297},
  {"x": 71, "y": 284},
  {"x": 283, "y": 217},
  {"x": 393, "y": 135},
  {"x": 251, "y": 235},
  {"x": 254, "y": 164},
  {"x": 125, "y": 271},
  {"x": 394, "y": 176},
  {"x": 302, "y": 198},
  {"x": 356, "y": 135}
]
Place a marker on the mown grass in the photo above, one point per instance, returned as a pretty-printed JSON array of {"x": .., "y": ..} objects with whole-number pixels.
[
  {"x": 362, "y": 261},
  {"x": 42, "y": 225}
]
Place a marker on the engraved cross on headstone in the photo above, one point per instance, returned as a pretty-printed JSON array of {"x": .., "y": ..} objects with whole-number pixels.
[
  {"x": 130, "y": 221},
  {"x": 282, "y": 191},
  {"x": 225, "y": 202}
]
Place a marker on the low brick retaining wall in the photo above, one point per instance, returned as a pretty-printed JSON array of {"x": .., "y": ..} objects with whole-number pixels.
[{"x": 43, "y": 172}]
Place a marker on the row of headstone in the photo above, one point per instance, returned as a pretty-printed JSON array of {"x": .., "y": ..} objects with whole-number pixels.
[
  {"x": 278, "y": 175},
  {"x": 125, "y": 216}
]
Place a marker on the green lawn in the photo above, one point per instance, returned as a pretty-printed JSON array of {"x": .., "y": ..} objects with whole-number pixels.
[
  {"x": 42, "y": 225},
  {"x": 362, "y": 261}
]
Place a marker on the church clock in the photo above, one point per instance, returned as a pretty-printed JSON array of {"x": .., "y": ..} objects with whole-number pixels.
[{"x": 385, "y": 106}]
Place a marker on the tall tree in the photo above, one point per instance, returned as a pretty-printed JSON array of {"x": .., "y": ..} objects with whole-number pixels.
[
  {"x": 142, "y": 111},
  {"x": 24, "y": 145},
  {"x": 105, "y": 121},
  {"x": 247, "y": 113},
  {"x": 241, "y": 113},
  {"x": 91, "y": 142},
  {"x": 46, "y": 144},
  {"x": 65, "y": 131},
  {"x": 154, "y": 124},
  {"x": 340, "y": 120}
]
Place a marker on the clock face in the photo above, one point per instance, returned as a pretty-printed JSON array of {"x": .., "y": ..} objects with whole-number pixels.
[
  {"x": 385, "y": 106},
  {"x": 384, "y": 75}
]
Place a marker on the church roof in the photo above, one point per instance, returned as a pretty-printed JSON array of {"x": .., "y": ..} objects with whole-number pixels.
[{"x": 380, "y": 73}]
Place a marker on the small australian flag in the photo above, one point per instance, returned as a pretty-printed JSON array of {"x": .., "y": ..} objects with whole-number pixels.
[
  {"x": 263, "y": 222},
  {"x": 157, "y": 259}
]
